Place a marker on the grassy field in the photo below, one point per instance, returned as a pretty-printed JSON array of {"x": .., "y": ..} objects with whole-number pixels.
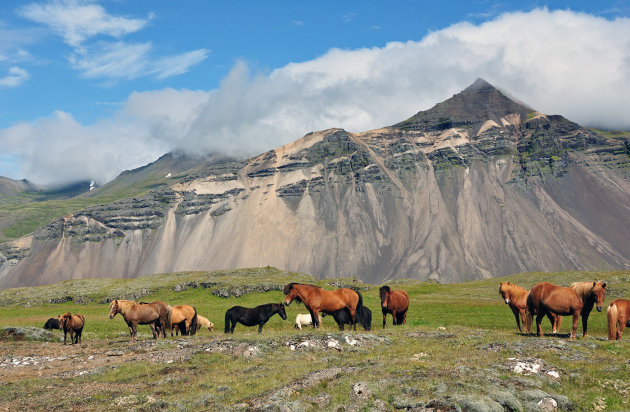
[{"x": 458, "y": 349}]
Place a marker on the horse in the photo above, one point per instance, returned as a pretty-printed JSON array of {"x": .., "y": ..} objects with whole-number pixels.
[
  {"x": 545, "y": 298},
  {"x": 51, "y": 324},
  {"x": 317, "y": 299},
  {"x": 618, "y": 315},
  {"x": 516, "y": 297},
  {"x": 184, "y": 319},
  {"x": 203, "y": 322},
  {"x": 73, "y": 324},
  {"x": 342, "y": 317},
  {"x": 156, "y": 314},
  {"x": 590, "y": 293},
  {"x": 252, "y": 316},
  {"x": 395, "y": 302},
  {"x": 304, "y": 319}
]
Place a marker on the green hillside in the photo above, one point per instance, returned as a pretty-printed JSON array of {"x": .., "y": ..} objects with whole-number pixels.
[{"x": 458, "y": 349}]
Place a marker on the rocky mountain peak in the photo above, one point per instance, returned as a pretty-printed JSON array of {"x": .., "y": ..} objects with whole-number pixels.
[{"x": 469, "y": 109}]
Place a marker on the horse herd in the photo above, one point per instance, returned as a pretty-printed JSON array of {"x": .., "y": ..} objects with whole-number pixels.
[
  {"x": 552, "y": 301},
  {"x": 344, "y": 305}
]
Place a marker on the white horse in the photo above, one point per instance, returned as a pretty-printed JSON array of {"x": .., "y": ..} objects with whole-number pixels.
[
  {"x": 304, "y": 320},
  {"x": 204, "y": 322}
]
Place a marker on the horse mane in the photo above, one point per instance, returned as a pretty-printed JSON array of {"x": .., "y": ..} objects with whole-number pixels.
[
  {"x": 515, "y": 290},
  {"x": 583, "y": 289},
  {"x": 125, "y": 305},
  {"x": 385, "y": 288}
]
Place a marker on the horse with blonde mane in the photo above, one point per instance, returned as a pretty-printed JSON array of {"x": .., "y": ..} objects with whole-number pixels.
[
  {"x": 203, "y": 322},
  {"x": 516, "y": 297},
  {"x": 618, "y": 315},
  {"x": 156, "y": 314},
  {"x": 591, "y": 293},
  {"x": 184, "y": 319}
]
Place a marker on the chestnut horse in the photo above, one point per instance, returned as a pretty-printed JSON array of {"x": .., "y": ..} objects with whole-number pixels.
[
  {"x": 73, "y": 324},
  {"x": 155, "y": 314},
  {"x": 618, "y": 314},
  {"x": 318, "y": 300},
  {"x": 395, "y": 302},
  {"x": 184, "y": 320},
  {"x": 591, "y": 293},
  {"x": 516, "y": 297},
  {"x": 545, "y": 298}
]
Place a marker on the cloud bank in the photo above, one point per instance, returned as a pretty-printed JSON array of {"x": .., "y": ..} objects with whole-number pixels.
[{"x": 559, "y": 62}]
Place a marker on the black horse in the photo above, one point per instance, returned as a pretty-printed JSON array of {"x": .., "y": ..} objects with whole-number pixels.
[
  {"x": 52, "y": 323},
  {"x": 342, "y": 317},
  {"x": 250, "y": 317}
]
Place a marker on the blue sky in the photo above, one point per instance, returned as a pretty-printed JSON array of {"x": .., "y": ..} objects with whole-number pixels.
[{"x": 91, "y": 88}]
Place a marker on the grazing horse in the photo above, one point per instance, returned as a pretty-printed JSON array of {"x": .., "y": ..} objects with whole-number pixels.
[
  {"x": 618, "y": 314},
  {"x": 184, "y": 320},
  {"x": 252, "y": 316},
  {"x": 304, "y": 319},
  {"x": 73, "y": 324},
  {"x": 342, "y": 317},
  {"x": 203, "y": 322},
  {"x": 516, "y": 297},
  {"x": 591, "y": 293},
  {"x": 395, "y": 302},
  {"x": 155, "y": 314},
  {"x": 317, "y": 299},
  {"x": 51, "y": 324}
]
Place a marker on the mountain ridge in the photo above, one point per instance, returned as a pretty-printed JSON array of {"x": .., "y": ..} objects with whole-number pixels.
[{"x": 456, "y": 192}]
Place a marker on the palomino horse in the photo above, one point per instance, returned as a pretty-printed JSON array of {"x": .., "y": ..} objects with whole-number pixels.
[
  {"x": 304, "y": 319},
  {"x": 591, "y": 293},
  {"x": 252, "y": 316},
  {"x": 618, "y": 314},
  {"x": 203, "y": 322},
  {"x": 155, "y": 314},
  {"x": 184, "y": 319},
  {"x": 516, "y": 297},
  {"x": 545, "y": 298},
  {"x": 395, "y": 302},
  {"x": 317, "y": 299},
  {"x": 73, "y": 324}
]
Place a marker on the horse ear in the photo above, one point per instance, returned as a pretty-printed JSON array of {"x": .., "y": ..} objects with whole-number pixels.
[
  {"x": 594, "y": 283},
  {"x": 604, "y": 285}
]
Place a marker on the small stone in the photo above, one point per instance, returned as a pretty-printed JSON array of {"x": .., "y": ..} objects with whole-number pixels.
[
  {"x": 547, "y": 404},
  {"x": 360, "y": 390}
]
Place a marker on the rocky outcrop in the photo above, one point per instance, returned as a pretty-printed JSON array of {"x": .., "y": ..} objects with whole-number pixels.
[{"x": 477, "y": 186}]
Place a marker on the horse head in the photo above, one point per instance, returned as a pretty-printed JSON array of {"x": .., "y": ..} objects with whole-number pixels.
[
  {"x": 63, "y": 319},
  {"x": 282, "y": 312},
  {"x": 113, "y": 309},
  {"x": 384, "y": 292},
  {"x": 292, "y": 293},
  {"x": 504, "y": 291},
  {"x": 599, "y": 290}
]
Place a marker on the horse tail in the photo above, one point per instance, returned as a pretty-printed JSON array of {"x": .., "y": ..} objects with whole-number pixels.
[
  {"x": 193, "y": 323},
  {"x": 613, "y": 317},
  {"x": 360, "y": 302},
  {"x": 168, "y": 318},
  {"x": 227, "y": 321}
]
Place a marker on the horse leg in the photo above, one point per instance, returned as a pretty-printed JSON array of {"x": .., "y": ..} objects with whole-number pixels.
[
  {"x": 134, "y": 331},
  {"x": 516, "y": 313},
  {"x": 404, "y": 318},
  {"x": 384, "y": 319},
  {"x": 622, "y": 325},
  {"x": 394, "y": 318},
  {"x": 260, "y": 325},
  {"x": 576, "y": 316},
  {"x": 538, "y": 324},
  {"x": 65, "y": 333},
  {"x": 584, "y": 321}
]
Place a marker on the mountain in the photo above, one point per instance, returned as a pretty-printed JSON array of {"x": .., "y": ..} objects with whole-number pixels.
[{"x": 478, "y": 186}]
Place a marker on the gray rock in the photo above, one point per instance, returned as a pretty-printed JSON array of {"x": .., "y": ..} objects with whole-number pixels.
[{"x": 361, "y": 391}]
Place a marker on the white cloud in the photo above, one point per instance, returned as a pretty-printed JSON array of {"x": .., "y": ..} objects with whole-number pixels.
[
  {"x": 14, "y": 78},
  {"x": 77, "y": 21},
  {"x": 83, "y": 24},
  {"x": 560, "y": 62}
]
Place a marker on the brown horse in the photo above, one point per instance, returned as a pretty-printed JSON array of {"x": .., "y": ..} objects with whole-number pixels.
[
  {"x": 73, "y": 324},
  {"x": 545, "y": 298},
  {"x": 203, "y": 322},
  {"x": 184, "y": 319},
  {"x": 618, "y": 314},
  {"x": 318, "y": 300},
  {"x": 155, "y": 314},
  {"x": 395, "y": 302},
  {"x": 516, "y": 297},
  {"x": 591, "y": 293}
]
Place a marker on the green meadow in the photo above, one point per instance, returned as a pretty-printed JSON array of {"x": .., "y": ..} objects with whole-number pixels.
[{"x": 457, "y": 349}]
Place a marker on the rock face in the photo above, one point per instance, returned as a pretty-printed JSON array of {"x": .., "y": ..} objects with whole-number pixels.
[{"x": 477, "y": 186}]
